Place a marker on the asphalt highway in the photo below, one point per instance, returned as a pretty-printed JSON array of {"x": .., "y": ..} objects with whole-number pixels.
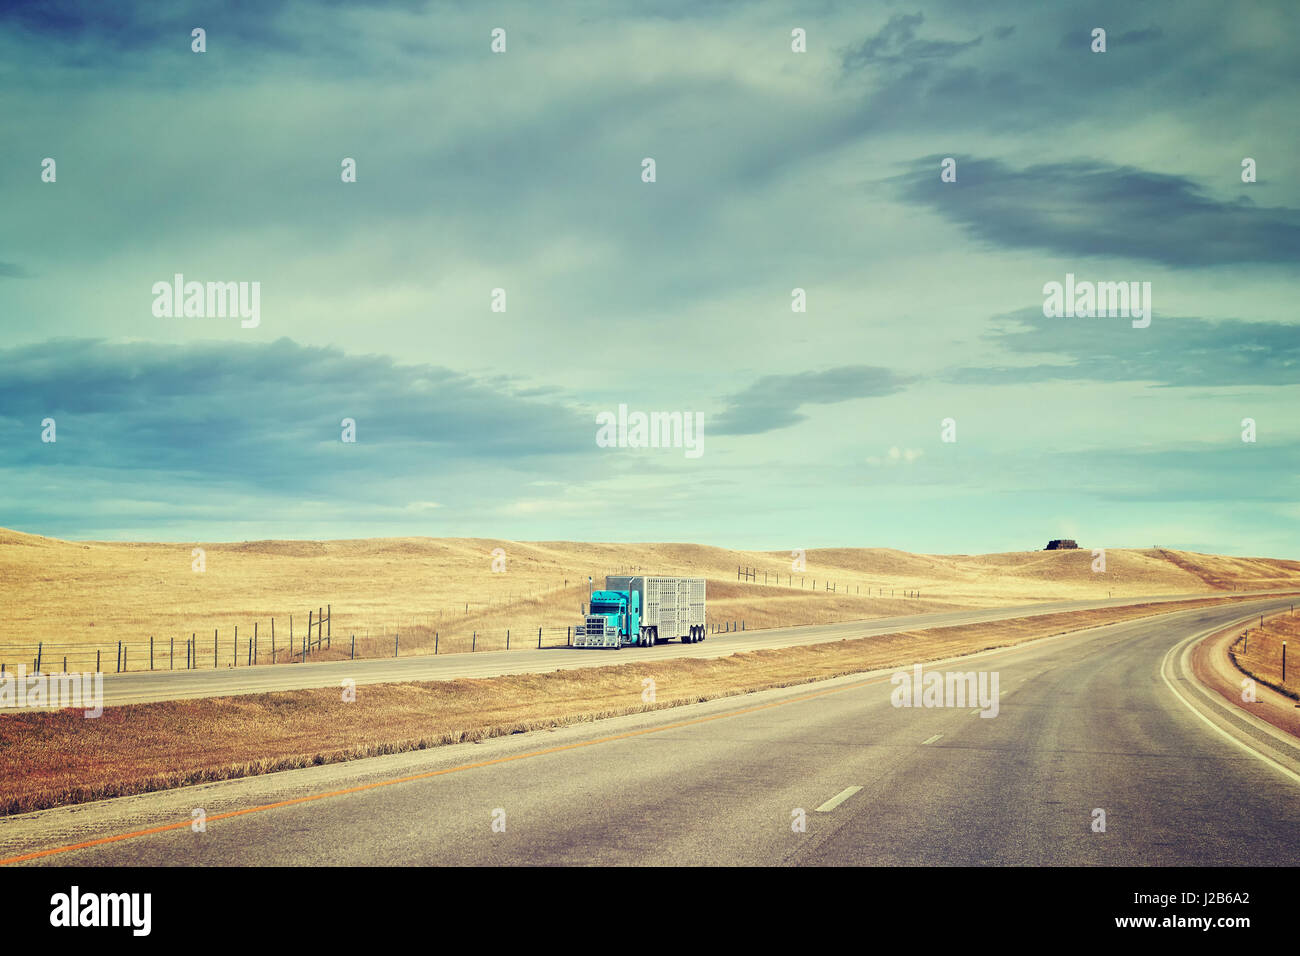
[{"x": 1106, "y": 720}]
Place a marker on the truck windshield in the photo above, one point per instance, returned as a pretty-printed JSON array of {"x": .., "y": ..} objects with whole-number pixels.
[{"x": 603, "y": 608}]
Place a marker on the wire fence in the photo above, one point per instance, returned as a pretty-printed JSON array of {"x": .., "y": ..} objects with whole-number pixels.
[
  {"x": 281, "y": 641},
  {"x": 809, "y": 582}
]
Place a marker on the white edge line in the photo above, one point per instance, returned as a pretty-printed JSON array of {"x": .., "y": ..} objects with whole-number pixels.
[{"x": 1295, "y": 778}]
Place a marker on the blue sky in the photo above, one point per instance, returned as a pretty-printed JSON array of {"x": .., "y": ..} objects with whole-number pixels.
[{"x": 775, "y": 170}]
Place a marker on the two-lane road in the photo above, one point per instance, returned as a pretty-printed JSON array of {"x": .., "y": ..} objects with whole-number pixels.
[
  {"x": 145, "y": 686},
  {"x": 1086, "y": 723}
]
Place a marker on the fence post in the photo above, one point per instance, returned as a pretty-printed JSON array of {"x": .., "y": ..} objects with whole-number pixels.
[
  {"x": 150, "y": 652},
  {"x": 250, "y": 654},
  {"x": 395, "y": 640},
  {"x": 39, "y": 646},
  {"x": 539, "y": 638},
  {"x": 215, "y": 664},
  {"x": 254, "y": 640},
  {"x": 97, "y": 660},
  {"x": 1284, "y": 662},
  {"x": 171, "y": 655},
  {"x": 435, "y": 642},
  {"x": 329, "y": 625},
  {"x": 124, "y": 650},
  {"x": 474, "y": 641},
  {"x": 272, "y": 640},
  {"x": 119, "y": 658},
  {"x": 234, "y": 649},
  {"x": 320, "y": 625},
  {"x": 507, "y": 638},
  {"x": 354, "y": 647},
  {"x": 307, "y": 644}
]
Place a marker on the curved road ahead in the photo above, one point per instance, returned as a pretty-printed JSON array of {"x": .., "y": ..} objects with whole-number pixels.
[{"x": 1093, "y": 720}]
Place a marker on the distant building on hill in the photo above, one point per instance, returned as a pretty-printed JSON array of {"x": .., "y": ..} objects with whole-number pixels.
[{"x": 1061, "y": 544}]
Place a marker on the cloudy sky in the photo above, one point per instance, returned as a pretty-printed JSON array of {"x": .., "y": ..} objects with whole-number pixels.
[{"x": 775, "y": 170}]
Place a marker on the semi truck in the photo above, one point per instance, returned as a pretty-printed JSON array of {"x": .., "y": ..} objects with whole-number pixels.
[{"x": 643, "y": 610}]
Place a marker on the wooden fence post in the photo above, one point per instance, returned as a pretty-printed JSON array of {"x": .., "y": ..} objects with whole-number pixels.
[
  {"x": 539, "y": 638},
  {"x": 329, "y": 625},
  {"x": 119, "y": 658},
  {"x": 354, "y": 647},
  {"x": 97, "y": 660},
  {"x": 507, "y": 638},
  {"x": 234, "y": 649},
  {"x": 40, "y": 645},
  {"x": 254, "y": 641},
  {"x": 171, "y": 655},
  {"x": 215, "y": 663},
  {"x": 150, "y": 652}
]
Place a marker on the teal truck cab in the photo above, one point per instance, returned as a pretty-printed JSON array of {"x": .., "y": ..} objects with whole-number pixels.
[{"x": 643, "y": 610}]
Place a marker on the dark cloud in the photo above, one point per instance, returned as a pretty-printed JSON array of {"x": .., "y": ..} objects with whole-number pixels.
[
  {"x": 897, "y": 42},
  {"x": 1096, "y": 209},
  {"x": 774, "y": 401},
  {"x": 1173, "y": 351},
  {"x": 267, "y": 415}
]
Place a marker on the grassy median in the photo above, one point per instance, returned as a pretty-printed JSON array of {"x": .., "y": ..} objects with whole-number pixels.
[{"x": 50, "y": 759}]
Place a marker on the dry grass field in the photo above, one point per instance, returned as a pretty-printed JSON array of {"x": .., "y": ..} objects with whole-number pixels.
[
  {"x": 75, "y": 597},
  {"x": 48, "y": 759},
  {"x": 1260, "y": 655}
]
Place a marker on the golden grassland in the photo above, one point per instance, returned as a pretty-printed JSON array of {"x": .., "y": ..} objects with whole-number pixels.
[
  {"x": 76, "y": 597},
  {"x": 50, "y": 759},
  {"x": 1260, "y": 655}
]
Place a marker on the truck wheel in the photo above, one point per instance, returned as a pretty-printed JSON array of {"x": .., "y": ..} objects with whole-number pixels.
[
  {"x": 689, "y": 638},
  {"x": 644, "y": 640}
]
